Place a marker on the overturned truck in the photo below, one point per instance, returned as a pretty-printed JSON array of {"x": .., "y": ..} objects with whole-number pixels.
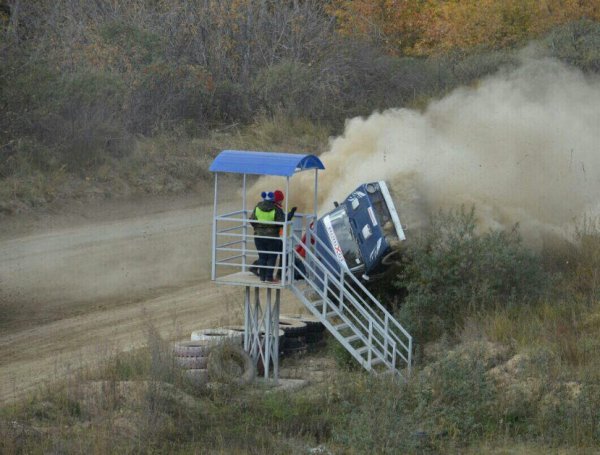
[
  {"x": 363, "y": 231},
  {"x": 323, "y": 259},
  {"x": 362, "y": 234}
]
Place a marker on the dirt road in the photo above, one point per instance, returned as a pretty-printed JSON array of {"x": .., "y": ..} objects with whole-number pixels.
[{"x": 89, "y": 286}]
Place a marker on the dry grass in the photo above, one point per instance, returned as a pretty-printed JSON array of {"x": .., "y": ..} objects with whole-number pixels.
[
  {"x": 167, "y": 163},
  {"x": 516, "y": 379}
]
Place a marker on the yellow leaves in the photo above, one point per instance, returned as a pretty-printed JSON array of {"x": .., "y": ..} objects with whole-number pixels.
[
  {"x": 434, "y": 26},
  {"x": 394, "y": 23}
]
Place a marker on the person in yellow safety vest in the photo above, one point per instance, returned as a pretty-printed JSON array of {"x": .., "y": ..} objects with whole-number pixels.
[{"x": 266, "y": 236}]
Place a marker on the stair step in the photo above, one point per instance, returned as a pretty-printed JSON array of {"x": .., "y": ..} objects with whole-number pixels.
[
  {"x": 331, "y": 310},
  {"x": 352, "y": 338},
  {"x": 374, "y": 360},
  {"x": 362, "y": 350}
]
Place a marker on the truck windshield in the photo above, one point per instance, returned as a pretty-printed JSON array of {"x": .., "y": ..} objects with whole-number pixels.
[{"x": 343, "y": 231}]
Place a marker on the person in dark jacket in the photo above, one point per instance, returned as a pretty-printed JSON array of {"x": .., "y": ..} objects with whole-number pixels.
[
  {"x": 278, "y": 198},
  {"x": 267, "y": 235}
]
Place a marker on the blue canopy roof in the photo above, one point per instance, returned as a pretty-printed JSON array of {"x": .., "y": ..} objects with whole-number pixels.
[{"x": 264, "y": 163}]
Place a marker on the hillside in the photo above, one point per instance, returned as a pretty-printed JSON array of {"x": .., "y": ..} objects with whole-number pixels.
[
  {"x": 484, "y": 117},
  {"x": 105, "y": 101}
]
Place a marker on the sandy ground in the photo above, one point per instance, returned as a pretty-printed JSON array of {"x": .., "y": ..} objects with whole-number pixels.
[{"x": 83, "y": 284}]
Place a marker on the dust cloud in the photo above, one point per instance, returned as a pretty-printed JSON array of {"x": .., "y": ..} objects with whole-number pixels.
[{"x": 522, "y": 146}]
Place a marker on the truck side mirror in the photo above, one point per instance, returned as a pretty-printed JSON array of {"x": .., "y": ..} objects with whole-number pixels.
[{"x": 335, "y": 204}]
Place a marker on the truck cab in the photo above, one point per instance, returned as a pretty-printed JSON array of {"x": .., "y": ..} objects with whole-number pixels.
[{"x": 361, "y": 230}]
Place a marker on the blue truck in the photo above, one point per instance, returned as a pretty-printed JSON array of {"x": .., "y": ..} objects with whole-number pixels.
[{"x": 363, "y": 231}]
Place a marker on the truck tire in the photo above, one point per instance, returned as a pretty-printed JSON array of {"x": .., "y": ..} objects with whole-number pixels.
[
  {"x": 191, "y": 363},
  {"x": 231, "y": 364},
  {"x": 314, "y": 337},
  {"x": 312, "y": 322},
  {"x": 391, "y": 258},
  {"x": 294, "y": 343},
  {"x": 216, "y": 336},
  {"x": 292, "y": 327},
  {"x": 197, "y": 376},
  {"x": 192, "y": 348},
  {"x": 240, "y": 329}
]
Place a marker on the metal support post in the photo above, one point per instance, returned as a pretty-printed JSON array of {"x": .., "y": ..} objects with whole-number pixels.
[
  {"x": 213, "y": 272},
  {"x": 261, "y": 331},
  {"x": 245, "y": 226}
]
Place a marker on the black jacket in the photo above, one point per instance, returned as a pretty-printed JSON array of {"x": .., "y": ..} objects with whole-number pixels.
[{"x": 268, "y": 230}]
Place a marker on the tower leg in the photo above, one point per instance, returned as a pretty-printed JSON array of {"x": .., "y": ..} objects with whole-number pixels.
[{"x": 261, "y": 330}]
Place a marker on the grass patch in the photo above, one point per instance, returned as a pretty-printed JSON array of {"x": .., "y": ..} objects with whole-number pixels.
[
  {"x": 517, "y": 374},
  {"x": 451, "y": 271},
  {"x": 166, "y": 163}
]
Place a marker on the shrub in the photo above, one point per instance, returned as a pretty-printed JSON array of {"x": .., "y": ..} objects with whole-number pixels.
[
  {"x": 451, "y": 403},
  {"x": 451, "y": 271},
  {"x": 577, "y": 43},
  {"x": 585, "y": 276},
  {"x": 166, "y": 95}
]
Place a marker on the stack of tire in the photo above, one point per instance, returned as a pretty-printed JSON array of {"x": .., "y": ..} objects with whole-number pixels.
[
  {"x": 240, "y": 329},
  {"x": 314, "y": 335},
  {"x": 295, "y": 336},
  {"x": 194, "y": 356}
]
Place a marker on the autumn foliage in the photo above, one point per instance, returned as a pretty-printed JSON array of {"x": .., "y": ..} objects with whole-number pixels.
[
  {"x": 82, "y": 81},
  {"x": 426, "y": 27}
]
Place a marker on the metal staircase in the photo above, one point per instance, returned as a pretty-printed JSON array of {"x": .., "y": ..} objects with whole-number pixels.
[{"x": 349, "y": 311}]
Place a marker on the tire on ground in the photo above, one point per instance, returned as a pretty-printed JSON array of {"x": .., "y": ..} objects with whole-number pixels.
[
  {"x": 192, "y": 348},
  {"x": 240, "y": 328},
  {"x": 312, "y": 322},
  {"x": 192, "y": 362},
  {"x": 217, "y": 335},
  {"x": 229, "y": 363},
  {"x": 294, "y": 343},
  {"x": 197, "y": 376},
  {"x": 314, "y": 337},
  {"x": 292, "y": 327}
]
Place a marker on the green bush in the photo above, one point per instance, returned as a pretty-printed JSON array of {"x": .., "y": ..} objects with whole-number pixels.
[
  {"x": 577, "y": 44},
  {"x": 286, "y": 87},
  {"x": 584, "y": 279},
  {"x": 451, "y": 271},
  {"x": 449, "y": 404}
]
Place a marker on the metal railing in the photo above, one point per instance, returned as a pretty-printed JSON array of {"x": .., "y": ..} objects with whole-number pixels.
[
  {"x": 233, "y": 246},
  {"x": 332, "y": 293},
  {"x": 340, "y": 295}
]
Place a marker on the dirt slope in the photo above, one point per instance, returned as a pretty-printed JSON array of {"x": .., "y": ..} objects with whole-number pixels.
[{"x": 90, "y": 285}]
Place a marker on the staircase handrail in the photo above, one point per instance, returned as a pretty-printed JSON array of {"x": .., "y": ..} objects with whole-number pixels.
[
  {"x": 347, "y": 314},
  {"x": 360, "y": 303}
]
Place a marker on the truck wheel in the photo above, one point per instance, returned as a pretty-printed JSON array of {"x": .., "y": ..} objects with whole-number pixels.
[{"x": 391, "y": 258}]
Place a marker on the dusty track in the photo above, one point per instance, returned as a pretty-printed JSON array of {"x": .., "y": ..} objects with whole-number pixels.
[{"x": 71, "y": 296}]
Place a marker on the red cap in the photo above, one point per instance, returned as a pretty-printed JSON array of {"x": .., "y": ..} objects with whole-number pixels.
[{"x": 278, "y": 196}]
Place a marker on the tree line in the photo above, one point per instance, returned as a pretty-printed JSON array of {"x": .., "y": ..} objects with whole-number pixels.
[{"x": 81, "y": 79}]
